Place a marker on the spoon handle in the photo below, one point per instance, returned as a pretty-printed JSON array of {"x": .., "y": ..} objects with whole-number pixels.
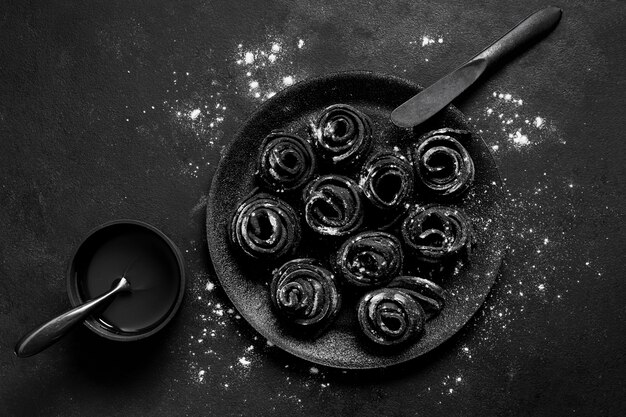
[{"x": 48, "y": 333}]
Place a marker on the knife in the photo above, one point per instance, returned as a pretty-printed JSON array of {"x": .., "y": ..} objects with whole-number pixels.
[{"x": 428, "y": 102}]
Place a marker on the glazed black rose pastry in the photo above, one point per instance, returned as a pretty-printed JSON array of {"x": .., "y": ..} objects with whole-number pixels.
[
  {"x": 305, "y": 293},
  {"x": 286, "y": 162},
  {"x": 428, "y": 294},
  {"x": 342, "y": 135},
  {"x": 397, "y": 313},
  {"x": 436, "y": 232},
  {"x": 387, "y": 181},
  {"x": 390, "y": 316},
  {"x": 442, "y": 164},
  {"x": 265, "y": 227},
  {"x": 333, "y": 205},
  {"x": 370, "y": 259}
]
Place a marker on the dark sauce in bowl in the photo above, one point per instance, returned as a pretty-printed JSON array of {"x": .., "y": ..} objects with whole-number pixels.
[{"x": 148, "y": 260}]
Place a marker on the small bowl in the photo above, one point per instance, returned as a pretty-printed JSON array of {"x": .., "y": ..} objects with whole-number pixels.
[{"x": 151, "y": 262}]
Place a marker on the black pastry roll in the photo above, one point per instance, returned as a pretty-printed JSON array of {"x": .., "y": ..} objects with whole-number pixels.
[
  {"x": 333, "y": 205},
  {"x": 387, "y": 181},
  {"x": 436, "y": 232},
  {"x": 305, "y": 293},
  {"x": 427, "y": 293},
  {"x": 342, "y": 135},
  {"x": 286, "y": 162},
  {"x": 442, "y": 164},
  {"x": 265, "y": 227},
  {"x": 370, "y": 259},
  {"x": 390, "y": 316}
]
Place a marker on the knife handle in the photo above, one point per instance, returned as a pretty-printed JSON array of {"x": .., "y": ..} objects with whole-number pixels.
[{"x": 529, "y": 30}]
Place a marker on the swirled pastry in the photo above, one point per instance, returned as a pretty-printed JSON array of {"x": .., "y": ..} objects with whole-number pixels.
[
  {"x": 435, "y": 232},
  {"x": 442, "y": 164},
  {"x": 342, "y": 135},
  {"x": 370, "y": 259},
  {"x": 397, "y": 313},
  {"x": 265, "y": 227},
  {"x": 333, "y": 205},
  {"x": 427, "y": 293},
  {"x": 390, "y": 316},
  {"x": 286, "y": 162},
  {"x": 305, "y": 293},
  {"x": 387, "y": 181}
]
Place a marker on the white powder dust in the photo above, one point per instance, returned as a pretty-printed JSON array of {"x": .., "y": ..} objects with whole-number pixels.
[
  {"x": 517, "y": 127},
  {"x": 268, "y": 67},
  {"x": 194, "y": 114},
  {"x": 429, "y": 40}
]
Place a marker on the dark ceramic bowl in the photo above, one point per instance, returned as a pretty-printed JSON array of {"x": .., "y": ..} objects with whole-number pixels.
[{"x": 106, "y": 252}]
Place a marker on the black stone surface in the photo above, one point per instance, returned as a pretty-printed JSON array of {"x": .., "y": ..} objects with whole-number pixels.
[{"x": 71, "y": 74}]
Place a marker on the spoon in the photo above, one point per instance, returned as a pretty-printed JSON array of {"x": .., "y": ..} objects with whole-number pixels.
[
  {"x": 434, "y": 98},
  {"x": 50, "y": 332}
]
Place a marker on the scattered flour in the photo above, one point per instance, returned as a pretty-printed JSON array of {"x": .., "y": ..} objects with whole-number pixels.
[
  {"x": 516, "y": 128},
  {"x": 427, "y": 40},
  {"x": 196, "y": 115},
  {"x": 268, "y": 67}
]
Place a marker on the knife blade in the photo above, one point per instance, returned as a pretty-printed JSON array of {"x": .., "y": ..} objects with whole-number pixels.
[{"x": 428, "y": 102}]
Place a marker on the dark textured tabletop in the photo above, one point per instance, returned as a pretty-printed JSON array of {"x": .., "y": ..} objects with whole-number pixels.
[{"x": 120, "y": 110}]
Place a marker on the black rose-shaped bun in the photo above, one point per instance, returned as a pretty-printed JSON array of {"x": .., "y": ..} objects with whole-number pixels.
[
  {"x": 265, "y": 227},
  {"x": 442, "y": 164},
  {"x": 387, "y": 180},
  {"x": 342, "y": 135},
  {"x": 430, "y": 295},
  {"x": 398, "y": 312},
  {"x": 370, "y": 259},
  {"x": 333, "y": 205},
  {"x": 305, "y": 293},
  {"x": 286, "y": 162},
  {"x": 436, "y": 232},
  {"x": 390, "y": 316}
]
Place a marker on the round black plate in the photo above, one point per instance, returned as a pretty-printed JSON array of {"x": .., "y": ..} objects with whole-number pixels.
[{"x": 292, "y": 110}]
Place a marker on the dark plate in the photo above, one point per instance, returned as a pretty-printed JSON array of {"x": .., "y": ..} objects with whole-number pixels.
[{"x": 292, "y": 110}]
